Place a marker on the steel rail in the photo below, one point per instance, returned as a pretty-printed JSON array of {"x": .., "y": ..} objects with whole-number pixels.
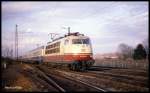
[
  {"x": 82, "y": 82},
  {"x": 78, "y": 80},
  {"x": 51, "y": 81}
]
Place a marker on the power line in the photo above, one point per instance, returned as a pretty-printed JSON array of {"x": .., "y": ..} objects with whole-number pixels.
[{"x": 52, "y": 35}]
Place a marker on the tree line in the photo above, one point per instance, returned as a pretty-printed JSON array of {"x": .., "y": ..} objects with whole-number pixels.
[{"x": 140, "y": 52}]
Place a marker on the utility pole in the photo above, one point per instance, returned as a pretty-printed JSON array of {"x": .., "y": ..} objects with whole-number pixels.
[
  {"x": 11, "y": 53},
  {"x": 7, "y": 52},
  {"x": 16, "y": 42}
]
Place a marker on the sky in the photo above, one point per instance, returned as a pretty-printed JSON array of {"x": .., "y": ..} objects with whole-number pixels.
[{"x": 108, "y": 24}]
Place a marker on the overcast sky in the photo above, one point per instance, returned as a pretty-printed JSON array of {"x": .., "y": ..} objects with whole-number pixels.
[{"x": 107, "y": 23}]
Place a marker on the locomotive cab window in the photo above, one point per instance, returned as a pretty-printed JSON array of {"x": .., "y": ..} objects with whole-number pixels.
[
  {"x": 80, "y": 41},
  {"x": 85, "y": 41},
  {"x": 77, "y": 41}
]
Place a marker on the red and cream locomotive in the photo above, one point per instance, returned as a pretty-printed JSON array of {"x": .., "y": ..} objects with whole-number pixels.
[{"x": 73, "y": 49}]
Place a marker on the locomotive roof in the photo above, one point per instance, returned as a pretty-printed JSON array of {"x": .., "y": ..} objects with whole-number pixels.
[
  {"x": 67, "y": 35},
  {"x": 41, "y": 47}
]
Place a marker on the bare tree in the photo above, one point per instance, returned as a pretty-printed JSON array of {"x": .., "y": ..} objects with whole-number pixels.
[
  {"x": 7, "y": 50},
  {"x": 125, "y": 51},
  {"x": 146, "y": 45}
]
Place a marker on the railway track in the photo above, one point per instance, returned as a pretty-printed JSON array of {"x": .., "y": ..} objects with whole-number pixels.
[
  {"x": 139, "y": 81},
  {"x": 46, "y": 82},
  {"x": 78, "y": 81},
  {"x": 123, "y": 75},
  {"x": 73, "y": 82},
  {"x": 125, "y": 78},
  {"x": 133, "y": 72},
  {"x": 113, "y": 74},
  {"x": 107, "y": 82}
]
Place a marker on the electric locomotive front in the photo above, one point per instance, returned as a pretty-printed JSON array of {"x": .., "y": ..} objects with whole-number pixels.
[
  {"x": 73, "y": 49},
  {"x": 78, "y": 50}
]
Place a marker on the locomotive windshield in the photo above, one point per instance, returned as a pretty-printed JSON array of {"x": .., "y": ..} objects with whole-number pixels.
[{"x": 80, "y": 41}]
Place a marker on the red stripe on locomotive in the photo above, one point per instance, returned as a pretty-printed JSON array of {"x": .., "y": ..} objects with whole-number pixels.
[{"x": 68, "y": 57}]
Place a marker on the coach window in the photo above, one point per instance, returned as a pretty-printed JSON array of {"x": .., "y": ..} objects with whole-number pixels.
[
  {"x": 66, "y": 41},
  {"x": 55, "y": 45}
]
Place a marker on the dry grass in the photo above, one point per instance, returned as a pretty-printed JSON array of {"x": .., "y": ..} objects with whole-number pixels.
[{"x": 11, "y": 78}]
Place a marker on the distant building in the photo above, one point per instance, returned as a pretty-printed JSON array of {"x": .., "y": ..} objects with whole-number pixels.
[{"x": 106, "y": 56}]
